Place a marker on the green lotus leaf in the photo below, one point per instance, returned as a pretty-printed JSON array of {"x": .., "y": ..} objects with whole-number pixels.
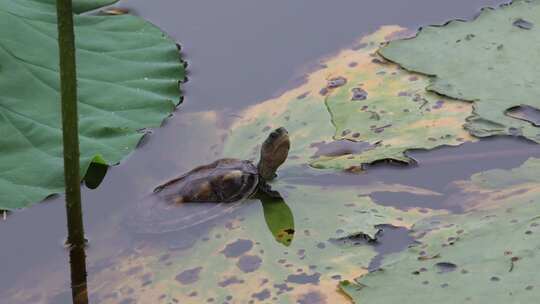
[
  {"x": 355, "y": 110},
  {"x": 78, "y": 6},
  {"x": 128, "y": 74},
  {"x": 490, "y": 61},
  {"x": 81, "y": 6},
  {"x": 487, "y": 255}
]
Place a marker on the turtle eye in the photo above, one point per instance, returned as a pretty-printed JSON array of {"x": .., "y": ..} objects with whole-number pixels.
[{"x": 273, "y": 135}]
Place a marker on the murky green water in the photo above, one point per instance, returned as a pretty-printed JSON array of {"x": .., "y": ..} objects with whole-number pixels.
[{"x": 239, "y": 53}]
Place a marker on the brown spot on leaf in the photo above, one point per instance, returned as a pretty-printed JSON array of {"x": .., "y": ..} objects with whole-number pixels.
[
  {"x": 282, "y": 288},
  {"x": 312, "y": 297},
  {"x": 237, "y": 248},
  {"x": 262, "y": 295},
  {"x": 230, "y": 281},
  {"x": 249, "y": 263},
  {"x": 358, "y": 94},
  {"x": 189, "y": 276},
  {"x": 336, "y": 82},
  {"x": 303, "y": 95},
  {"x": 304, "y": 278}
]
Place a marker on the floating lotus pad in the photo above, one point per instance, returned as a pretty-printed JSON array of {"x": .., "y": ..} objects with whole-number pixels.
[
  {"x": 355, "y": 110},
  {"x": 489, "y": 60},
  {"x": 128, "y": 74},
  {"x": 488, "y": 255},
  {"x": 240, "y": 257}
]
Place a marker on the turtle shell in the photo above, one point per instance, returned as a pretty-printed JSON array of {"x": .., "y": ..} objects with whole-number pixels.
[
  {"x": 201, "y": 195},
  {"x": 225, "y": 180}
]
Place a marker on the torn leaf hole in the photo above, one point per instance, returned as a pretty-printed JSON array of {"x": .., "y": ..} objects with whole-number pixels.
[
  {"x": 445, "y": 267},
  {"x": 339, "y": 148},
  {"x": 526, "y": 113},
  {"x": 523, "y": 24}
]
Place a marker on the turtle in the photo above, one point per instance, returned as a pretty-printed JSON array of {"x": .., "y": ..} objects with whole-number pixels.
[{"x": 210, "y": 191}]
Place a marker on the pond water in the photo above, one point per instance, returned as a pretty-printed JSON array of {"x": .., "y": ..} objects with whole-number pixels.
[{"x": 239, "y": 53}]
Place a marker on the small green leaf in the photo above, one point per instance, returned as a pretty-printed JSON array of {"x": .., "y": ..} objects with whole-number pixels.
[{"x": 95, "y": 174}]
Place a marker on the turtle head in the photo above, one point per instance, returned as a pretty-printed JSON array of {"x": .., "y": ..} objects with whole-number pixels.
[{"x": 274, "y": 152}]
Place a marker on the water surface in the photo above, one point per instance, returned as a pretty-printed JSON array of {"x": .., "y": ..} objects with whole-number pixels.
[{"x": 240, "y": 53}]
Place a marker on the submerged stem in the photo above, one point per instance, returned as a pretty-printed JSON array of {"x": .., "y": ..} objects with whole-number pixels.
[{"x": 70, "y": 135}]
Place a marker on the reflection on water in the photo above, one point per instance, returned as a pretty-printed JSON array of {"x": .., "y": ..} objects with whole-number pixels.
[
  {"x": 179, "y": 226},
  {"x": 76, "y": 243},
  {"x": 279, "y": 218},
  {"x": 95, "y": 175},
  {"x": 153, "y": 215},
  {"x": 77, "y": 261}
]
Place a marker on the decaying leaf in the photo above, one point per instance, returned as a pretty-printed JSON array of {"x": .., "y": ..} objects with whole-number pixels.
[
  {"x": 240, "y": 257},
  {"x": 355, "y": 110},
  {"x": 488, "y": 255},
  {"x": 387, "y": 107},
  {"x": 490, "y": 61}
]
